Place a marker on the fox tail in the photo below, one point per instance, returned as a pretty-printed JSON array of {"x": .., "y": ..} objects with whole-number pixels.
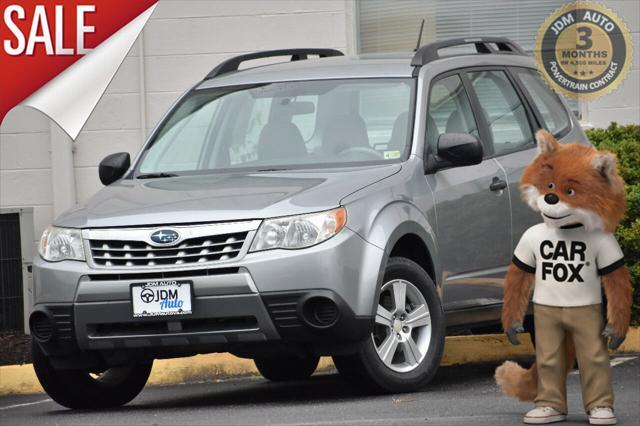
[
  {"x": 516, "y": 381},
  {"x": 520, "y": 383}
]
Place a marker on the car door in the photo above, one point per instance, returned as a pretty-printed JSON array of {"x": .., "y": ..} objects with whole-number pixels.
[
  {"x": 510, "y": 128},
  {"x": 472, "y": 206},
  {"x": 546, "y": 111}
]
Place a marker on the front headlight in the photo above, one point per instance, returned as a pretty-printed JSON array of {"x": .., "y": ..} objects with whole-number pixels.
[
  {"x": 296, "y": 232},
  {"x": 59, "y": 244}
]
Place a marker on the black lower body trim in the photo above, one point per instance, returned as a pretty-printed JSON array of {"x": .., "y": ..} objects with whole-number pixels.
[{"x": 295, "y": 320}]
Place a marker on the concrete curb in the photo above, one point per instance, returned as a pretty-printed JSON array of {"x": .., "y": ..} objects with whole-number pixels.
[{"x": 21, "y": 379}]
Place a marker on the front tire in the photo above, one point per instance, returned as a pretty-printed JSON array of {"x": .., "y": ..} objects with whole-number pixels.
[
  {"x": 79, "y": 389},
  {"x": 405, "y": 348},
  {"x": 286, "y": 369}
]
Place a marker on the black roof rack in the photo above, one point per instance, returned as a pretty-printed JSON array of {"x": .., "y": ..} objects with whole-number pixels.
[
  {"x": 429, "y": 52},
  {"x": 233, "y": 64}
]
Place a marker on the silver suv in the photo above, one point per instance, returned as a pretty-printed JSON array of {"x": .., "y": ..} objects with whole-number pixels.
[{"x": 357, "y": 207}]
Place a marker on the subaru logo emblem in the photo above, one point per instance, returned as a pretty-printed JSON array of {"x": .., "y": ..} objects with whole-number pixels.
[{"x": 165, "y": 236}]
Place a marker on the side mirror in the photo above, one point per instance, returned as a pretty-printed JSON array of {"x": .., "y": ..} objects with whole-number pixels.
[
  {"x": 458, "y": 149},
  {"x": 113, "y": 167}
]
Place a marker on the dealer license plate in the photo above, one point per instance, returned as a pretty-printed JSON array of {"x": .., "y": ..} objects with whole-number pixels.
[{"x": 160, "y": 298}]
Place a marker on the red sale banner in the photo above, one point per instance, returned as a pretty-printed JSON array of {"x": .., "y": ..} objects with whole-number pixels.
[{"x": 59, "y": 56}]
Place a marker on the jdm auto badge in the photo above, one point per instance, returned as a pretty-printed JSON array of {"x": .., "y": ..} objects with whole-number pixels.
[{"x": 583, "y": 50}]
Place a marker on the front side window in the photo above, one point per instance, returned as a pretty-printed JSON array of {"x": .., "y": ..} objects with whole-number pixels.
[
  {"x": 449, "y": 111},
  {"x": 554, "y": 116},
  {"x": 503, "y": 111},
  {"x": 284, "y": 125}
]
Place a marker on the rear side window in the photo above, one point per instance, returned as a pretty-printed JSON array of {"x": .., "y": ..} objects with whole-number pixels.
[
  {"x": 554, "y": 116},
  {"x": 505, "y": 115}
]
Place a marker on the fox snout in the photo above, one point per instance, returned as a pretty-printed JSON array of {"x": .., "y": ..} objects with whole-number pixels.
[{"x": 551, "y": 198}]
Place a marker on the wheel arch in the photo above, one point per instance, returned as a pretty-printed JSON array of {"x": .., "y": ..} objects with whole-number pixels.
[
  {"x": 409, "y": 239},
  {"x": 399, "y": 227},
  {"x": 413, "y": 247}
]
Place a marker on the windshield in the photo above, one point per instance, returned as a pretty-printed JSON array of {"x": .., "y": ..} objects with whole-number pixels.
[{"x": 327, "y": 123}]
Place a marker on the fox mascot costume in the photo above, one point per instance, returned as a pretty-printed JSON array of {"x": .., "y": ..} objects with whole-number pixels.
[{"x": 567, "y": 259}]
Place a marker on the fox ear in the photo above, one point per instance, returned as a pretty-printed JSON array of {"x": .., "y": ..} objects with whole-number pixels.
[
  {"x": 605, "y": 164},
  {"x": 546, "y": 142}
]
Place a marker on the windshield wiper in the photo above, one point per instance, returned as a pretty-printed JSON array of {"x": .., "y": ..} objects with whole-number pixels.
[{"x": 156, "y": 175}]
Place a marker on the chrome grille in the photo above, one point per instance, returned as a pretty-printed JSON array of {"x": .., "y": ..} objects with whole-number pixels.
[
  {"x": 139, "y": 253},
  {"x": 198, "y": 244}
]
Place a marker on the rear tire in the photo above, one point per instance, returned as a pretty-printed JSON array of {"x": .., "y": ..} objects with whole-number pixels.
[
  {"x": 400, "y": 371},
  {"x": 80, "y": 389},
  {"x": 286, "y": 369}
]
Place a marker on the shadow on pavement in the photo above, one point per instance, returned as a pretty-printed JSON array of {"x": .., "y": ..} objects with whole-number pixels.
[{"x": 320, "y": 388}]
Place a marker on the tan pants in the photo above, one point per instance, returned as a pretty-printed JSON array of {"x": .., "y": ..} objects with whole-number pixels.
[{"x": 584, "y": 325}]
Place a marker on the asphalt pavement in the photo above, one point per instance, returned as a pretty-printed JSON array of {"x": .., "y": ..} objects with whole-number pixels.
[{"x": 460, "y": 395}]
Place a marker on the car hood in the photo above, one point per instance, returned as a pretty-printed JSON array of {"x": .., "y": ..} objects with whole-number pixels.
[{"x": 221, "y": 197}]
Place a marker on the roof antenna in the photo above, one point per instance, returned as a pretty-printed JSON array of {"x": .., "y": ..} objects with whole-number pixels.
[{"x": 419, "y": 37}]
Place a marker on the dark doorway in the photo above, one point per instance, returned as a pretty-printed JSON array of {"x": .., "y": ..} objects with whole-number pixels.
[{"x": 11, "y": 298}]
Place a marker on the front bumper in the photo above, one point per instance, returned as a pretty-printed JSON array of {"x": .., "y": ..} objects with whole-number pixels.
[{"x": 261, "y": 297}]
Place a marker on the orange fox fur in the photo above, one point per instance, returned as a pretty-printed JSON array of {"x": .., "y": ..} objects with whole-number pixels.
[{"x": 598, "y": 187}]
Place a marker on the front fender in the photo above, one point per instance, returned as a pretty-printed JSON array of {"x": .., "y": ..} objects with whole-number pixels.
[
  {"x": 394, "y": 221},
  {"x": 389, "y": 209}
]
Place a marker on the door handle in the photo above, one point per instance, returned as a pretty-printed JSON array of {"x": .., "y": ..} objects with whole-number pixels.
[{"x": 497, "y": 184}]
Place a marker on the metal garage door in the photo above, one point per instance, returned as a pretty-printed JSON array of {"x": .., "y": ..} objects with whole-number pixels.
[
  {"x": 385, "y": 26},
  {"x": 393, "y": 26},
  {"x": 11, "y": 303}
]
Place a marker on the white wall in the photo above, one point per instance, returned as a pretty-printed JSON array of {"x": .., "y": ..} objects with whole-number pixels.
[
  {"x": 180, "y": 44},
  {"x": 25, "y": 165}
]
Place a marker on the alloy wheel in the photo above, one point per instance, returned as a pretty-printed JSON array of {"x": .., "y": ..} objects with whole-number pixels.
[{"x": 402, "y": 331}]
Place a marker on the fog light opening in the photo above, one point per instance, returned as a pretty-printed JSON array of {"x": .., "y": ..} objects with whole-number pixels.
[
  {"x": 41, "y": 326},
  {"x": 320, "y": 312}
]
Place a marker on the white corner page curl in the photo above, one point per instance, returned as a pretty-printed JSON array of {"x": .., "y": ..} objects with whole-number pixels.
[{"x": 69, "y": 98}]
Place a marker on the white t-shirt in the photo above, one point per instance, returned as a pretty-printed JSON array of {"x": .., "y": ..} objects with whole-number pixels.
[{"x": 568, "y": 263}]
